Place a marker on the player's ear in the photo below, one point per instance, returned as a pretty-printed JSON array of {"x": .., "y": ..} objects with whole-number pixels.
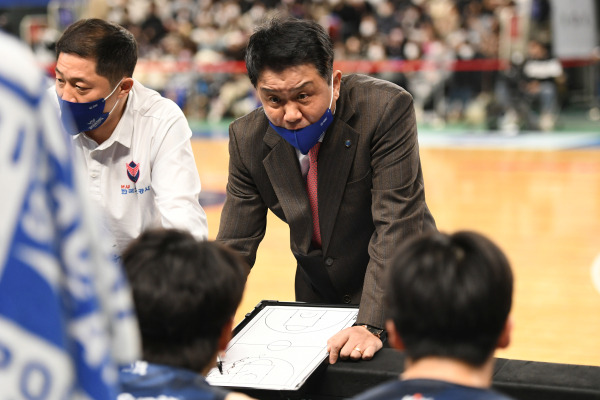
[
  {"x": 226, "y": 334},
  {"x": 504, "y": 339},
  {"x": 393, "y": 335},
  {"x": 337, "y": 82},
  {"x": 125, "y": 86}
]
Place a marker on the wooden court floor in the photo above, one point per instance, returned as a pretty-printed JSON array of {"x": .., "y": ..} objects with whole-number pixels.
[{"x": 541, "y": 207}]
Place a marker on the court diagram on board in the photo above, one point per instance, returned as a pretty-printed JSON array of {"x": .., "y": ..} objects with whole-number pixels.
[{"x": 280, "y": 347}]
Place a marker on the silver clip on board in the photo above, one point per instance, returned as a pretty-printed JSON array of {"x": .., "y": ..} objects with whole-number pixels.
[{"x": 280, "y": 344}]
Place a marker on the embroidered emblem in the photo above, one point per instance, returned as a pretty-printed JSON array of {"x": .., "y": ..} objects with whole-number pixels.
[{"x": 133, "y": 171}]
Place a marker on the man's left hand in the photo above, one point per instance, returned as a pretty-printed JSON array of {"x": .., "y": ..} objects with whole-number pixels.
[{"x": 354, "y": 343}]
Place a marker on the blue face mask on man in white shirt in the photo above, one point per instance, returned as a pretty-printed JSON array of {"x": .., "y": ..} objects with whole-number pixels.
[
  {"x": 305, "y": 138},
  {"x": 83, "y": 117}
]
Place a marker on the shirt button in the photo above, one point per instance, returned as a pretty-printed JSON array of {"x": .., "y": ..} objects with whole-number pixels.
[
  {"x": 94, "y": 175},
  {"x": 329, "y": 261},
  {"x": 347, "y": 299}
]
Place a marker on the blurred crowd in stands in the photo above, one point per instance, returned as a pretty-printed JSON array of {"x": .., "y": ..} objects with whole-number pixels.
[{"x": 176, "y": 36}]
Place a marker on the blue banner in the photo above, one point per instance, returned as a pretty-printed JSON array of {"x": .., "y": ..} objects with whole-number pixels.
[{"x": 66, "y": 314}]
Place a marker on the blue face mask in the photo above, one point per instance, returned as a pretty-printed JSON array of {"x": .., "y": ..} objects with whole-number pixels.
[
  {"x": 83, "y": 117},
  {"x": 305, "y": 138}
]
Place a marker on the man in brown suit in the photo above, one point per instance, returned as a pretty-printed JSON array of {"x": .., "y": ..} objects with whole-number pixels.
[{"x": 369, "y": 197}]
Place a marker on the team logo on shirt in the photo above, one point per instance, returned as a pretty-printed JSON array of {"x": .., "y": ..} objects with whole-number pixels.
[{"x": 133, "y": 171}]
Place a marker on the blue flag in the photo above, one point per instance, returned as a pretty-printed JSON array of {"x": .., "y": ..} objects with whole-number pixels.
[{"x": 66, "y": 313}]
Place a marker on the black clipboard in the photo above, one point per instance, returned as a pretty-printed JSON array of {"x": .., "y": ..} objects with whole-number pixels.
[{"x": 279, "y": 345}]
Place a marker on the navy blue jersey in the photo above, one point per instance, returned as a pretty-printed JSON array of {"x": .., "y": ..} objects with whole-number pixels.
[
  {"x": 428, "y": 389},
  {"x": 145, "y": 380}
]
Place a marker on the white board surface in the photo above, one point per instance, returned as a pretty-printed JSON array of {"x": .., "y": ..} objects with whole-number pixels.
[{"x": 280, "y": 347}]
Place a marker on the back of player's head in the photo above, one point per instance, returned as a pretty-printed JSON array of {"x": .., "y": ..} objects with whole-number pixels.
[
  {"x": 112, "y": 47},
  {"x": 185, "y": 291},
  {"x": 449, "y": 295}
]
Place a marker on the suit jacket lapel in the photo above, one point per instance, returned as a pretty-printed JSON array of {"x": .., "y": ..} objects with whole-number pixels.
[
  {"x": 335, "y": 161},
  {"x": 283, "y": 169}
]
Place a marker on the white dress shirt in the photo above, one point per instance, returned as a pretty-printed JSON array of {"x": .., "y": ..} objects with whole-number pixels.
[{"x": 144, "y": 176}]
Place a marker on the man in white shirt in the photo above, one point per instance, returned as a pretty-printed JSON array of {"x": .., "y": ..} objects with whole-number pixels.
[{"x": 135, "y": 144}]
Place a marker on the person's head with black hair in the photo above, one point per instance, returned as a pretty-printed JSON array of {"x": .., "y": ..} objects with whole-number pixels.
[
  {"x": 290, "y": 64},
  {"x": 111, "y": 47},
  {"x": 186, "y": 293},
  {"x": 448, "y": 298},
  {"x": 283, "y": 43}
]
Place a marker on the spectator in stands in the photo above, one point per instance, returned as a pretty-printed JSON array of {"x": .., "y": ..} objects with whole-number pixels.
[
  {"x": 542, "y": 77},
  {"x": 370, "y": 193},
  {"x": 153, "y": 28},
  {"x": 541, "y": 13},
  {"x": 594, "y": 112},
  {"x": 463, "y": 86},
  {"x": 134, "y": 144},
  {"x": 448, "y": 301},
  {"x": 186, "y": 293}
]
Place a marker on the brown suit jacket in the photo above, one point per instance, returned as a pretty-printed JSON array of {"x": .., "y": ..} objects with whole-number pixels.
[{"x": 370, "y": 190}]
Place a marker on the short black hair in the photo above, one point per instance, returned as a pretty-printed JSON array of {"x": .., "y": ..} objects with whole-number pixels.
[
  {"x": 289, "y": 42},
  {"x": 184, "y": 291},
  {"x": 113, "y": 47},
  {"x": 449, "y": 295}
]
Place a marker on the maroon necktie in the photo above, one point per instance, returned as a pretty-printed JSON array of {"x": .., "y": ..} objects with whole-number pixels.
[{"x": 311, "y": 187}]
